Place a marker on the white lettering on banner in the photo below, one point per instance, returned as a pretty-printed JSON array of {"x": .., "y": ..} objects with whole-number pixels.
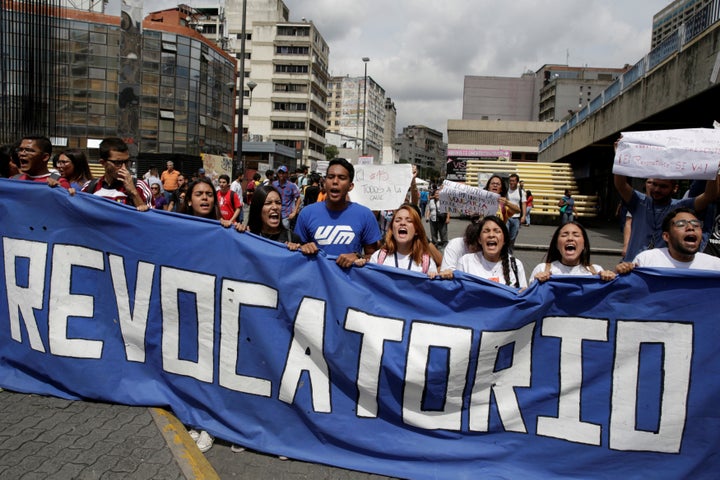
[
  {"x": 27, "y": 266},
  {"x": 234, "y": 295},
  {"x": 502, "y": 383},
  {"x": 64, "y": 304},
  {"x": 375, "y": 332},
  {"x": 133, "y": 323},
  {"x": 306, "y": 354},
  {"x": 572, "y": 332},
  {"x": 22, "y": 300},
  {"x": 458, "y": 341},
  {"x": 676, "y": 340},
  {"x": 202, "y": 286}
]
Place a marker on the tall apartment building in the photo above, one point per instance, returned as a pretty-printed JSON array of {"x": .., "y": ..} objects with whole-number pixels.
[
  {"x": 668, "y": 20},
  {"x": 424, "y": 147},
  {"x": 68, "y": 85},
  {"x": 354, "y": 110},
  {"x": 549, "y": 94},
  {"x": 390, "y": 154},
  {"x": 285, "y": 86}
]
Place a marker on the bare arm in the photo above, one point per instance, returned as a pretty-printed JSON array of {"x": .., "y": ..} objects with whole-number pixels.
[
  {"x": 708, "y": 196},
  {"x": 623, "y": 187}
]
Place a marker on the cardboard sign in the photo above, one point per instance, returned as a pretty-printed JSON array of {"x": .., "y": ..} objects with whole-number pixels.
[
  {"x": 692, "y": 153},
  {"x": 381, "y": 187},
  {"x": 465, "y": 199}
]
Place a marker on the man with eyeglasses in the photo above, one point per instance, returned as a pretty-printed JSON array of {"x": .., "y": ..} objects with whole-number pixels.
[
  {"x": 34, "y": 153},
  {"x": 649, "y": 209},
  {"x": 118, "y": 184},
  {"x": 682, "y": 231}
]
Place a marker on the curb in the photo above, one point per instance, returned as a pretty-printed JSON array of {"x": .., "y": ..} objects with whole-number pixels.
[{"x": 191, "y": 461}]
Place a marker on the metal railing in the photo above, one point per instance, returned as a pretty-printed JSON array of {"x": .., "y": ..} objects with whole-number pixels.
[{"x": 688, "y": 31}]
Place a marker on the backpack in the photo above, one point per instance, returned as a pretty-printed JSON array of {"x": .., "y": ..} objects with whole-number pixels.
[
  {"x": 425, "y": 260},
  {"x": 92, "y": 187}
]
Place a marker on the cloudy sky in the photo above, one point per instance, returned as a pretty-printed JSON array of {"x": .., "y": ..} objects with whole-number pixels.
[{"x": 420, "y": 50}]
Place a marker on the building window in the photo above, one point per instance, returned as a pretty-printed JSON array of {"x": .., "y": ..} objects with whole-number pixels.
[
  {"x": 293, "y": 31},
  {"x": 289, "y": 106},
  {"x": 291, "y": 50},
  {"x": 287, "y": 125},
  {"x": 248, "y": 36},
  {"x": 291, "y": 69}
]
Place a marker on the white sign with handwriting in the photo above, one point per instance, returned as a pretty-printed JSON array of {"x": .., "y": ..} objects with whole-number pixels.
[
  {"x": 692, "y": 153},
  {"x": 465, "y": 199},
  {"x": 381, "y": 187}
]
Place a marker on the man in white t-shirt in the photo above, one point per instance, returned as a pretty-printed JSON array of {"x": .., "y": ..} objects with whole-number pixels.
[
  {"x": 515, "y": 195},
  {"x": 682, "y": 231}
]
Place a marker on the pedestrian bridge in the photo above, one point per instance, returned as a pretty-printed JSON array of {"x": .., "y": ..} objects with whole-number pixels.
[{"x": 673, "y": 86}]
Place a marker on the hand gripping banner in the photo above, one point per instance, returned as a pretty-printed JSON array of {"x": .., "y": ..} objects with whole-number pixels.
[{"x": 373, "y": 368}]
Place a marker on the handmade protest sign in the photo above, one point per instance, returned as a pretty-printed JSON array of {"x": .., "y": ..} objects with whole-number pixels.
[
  {"x": 381, "y": 187},
  {"x": 467, "y": 200},
  {"x": 692, "y": 153}
]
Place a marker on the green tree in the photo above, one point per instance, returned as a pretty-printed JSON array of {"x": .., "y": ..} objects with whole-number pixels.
[{"x": 331, "y": 151}]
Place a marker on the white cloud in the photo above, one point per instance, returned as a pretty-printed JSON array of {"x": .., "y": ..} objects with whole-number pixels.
[{"x": 420, "y": 50}]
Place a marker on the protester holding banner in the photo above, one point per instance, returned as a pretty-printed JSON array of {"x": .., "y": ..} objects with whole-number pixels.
[
  {"x": 200, "y": 199},
  {"x": 648, "y": 210},
  {"x": 493, "y": 260},
  {"x": 682, "y": 232},
  {"x": 33, "y": 152},
  {"x": 265, "y": 218},
  {"x": 506, "y": 209},
  {"x": 337, "y": 225},
  {"x": 569, "y": 254},
  {"x": 457, "y": 247},
  {"x": 406, "y": 244}
]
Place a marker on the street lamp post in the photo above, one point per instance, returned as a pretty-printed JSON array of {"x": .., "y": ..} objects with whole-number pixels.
[
  {"x": 364, "y": 149},
  {"x": 251, "y": 85},
  {"x": 241, "y": 92}
]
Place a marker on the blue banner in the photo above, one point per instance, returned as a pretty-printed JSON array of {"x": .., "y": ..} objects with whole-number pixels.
[{"x": 374, "y": 369}]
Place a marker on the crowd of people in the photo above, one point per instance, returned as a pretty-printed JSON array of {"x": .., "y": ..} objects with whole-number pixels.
[{"x": 309, "y": 213}]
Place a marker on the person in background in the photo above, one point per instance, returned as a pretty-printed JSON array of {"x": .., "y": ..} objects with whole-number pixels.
[
  {"x": 158, "y": 201},
  {"x": 492, "y": 259},
  {"x": 506, "y": 209},
  {"x": 152, "y": 176},
  {"x": 169, "y": 179},
  {"x": 438, "y": 219},
  {"x": 424, "y": 199},
  {"x": 567, "y": 208},
  {"x": 569, "y": 254},
  {"x": 528, "y": 206},
  {"x": 8, "y": 166},
  {"x": 228, "y": 202},
  {"x": 290, "y": 194},
  {"x": 177, "y": 201},
  {"x": 73, "y": 167},
  {"x": 269, "y": 177},
  {"x": 515, "y": 195}
]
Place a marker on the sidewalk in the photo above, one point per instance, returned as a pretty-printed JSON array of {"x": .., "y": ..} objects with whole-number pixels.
[{"x": 47, "y": 437}]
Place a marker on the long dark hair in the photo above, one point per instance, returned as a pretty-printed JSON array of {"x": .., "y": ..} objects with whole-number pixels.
[
  {"x": 255, "y": 222},
  {"x": 215, "y": 215},
  {"x": 554, "y": 254},
  {"x": 80, "y": 165},
  {"x": 505, "y": 251}
]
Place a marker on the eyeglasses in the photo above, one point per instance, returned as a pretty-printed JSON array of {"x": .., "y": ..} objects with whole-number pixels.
[
  {"x": 26, "y": 150},
  {"x": 118, "y": 163},
  {"x": 63, "y": 162},
  {"x": 684, "y": 223}
]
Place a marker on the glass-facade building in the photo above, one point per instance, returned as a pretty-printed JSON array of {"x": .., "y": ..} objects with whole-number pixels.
[{"x": 59, "y": 77}]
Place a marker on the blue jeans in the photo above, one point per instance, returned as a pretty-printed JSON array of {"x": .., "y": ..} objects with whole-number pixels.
[{"x": 513, "y": 226}]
